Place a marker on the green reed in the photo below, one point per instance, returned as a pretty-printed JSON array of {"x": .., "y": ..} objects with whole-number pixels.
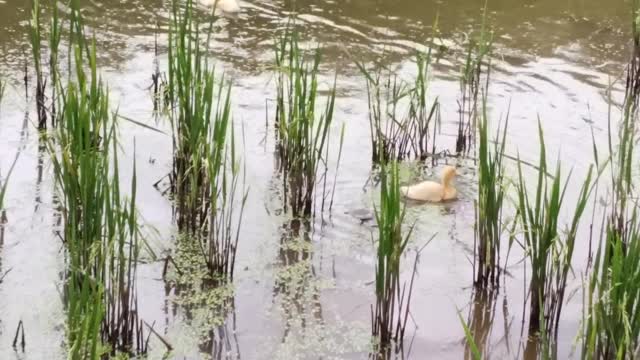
[
  {"x": 302, "y": 135},
  {"x": 396, "y": 133},
  {"x": 3, "y": 189},
  {"x": 4, "y": 182},
  {"x": 393, "y": 298},
  {"x": 611, "y": 320},
  {"x": 471, "y": 348},
  {"x": 548, "y": 248},
  {"x": 492, "y": 190},
  {"x": 35, "y": 38},
  {"x": 206, "y": 173},
  {"x": 55, "y": 35},
  {"x": 611, "y": 324},
  {"x": 478, "y": 56},
  {"x": 3, "y": 88},
  {"x": 100, "y": 228}
]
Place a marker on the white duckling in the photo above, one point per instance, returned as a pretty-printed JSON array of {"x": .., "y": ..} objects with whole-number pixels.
[
  {"x": 227, "y": 6},
  {"x": 432, "y": 191}
]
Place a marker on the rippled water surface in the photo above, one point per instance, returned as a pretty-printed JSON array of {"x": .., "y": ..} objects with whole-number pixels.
[{"x": 553, "y": 60}]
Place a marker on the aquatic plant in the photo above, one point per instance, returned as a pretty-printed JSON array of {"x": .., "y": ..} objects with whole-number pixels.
[
  {"x": 205, "y": 179},
  {"x": 478, "y": 57},
  {"x": 393, "y": 298},
  {"x": 4, "y": 182},
  {"x": 472, "y": 351},
  {"x": 611, "y": 320},
  {"x": 549, "y": 250},
  {"x": 302, "y": 137},
  {"x": 297, "y": 287},
  {"x": 396, "y": 135},
  {"x": 207, "y": 302},
  {"x": 55, "y": 34},
  {"x": 492, "y": 190},
  {"x": 3, "y": 189},
  {"x": 100, "y": 228},
  {"x": 3, "y": 88},
  {"x": 35, "y": 37}
]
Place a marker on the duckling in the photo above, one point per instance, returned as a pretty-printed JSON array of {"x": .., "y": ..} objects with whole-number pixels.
[
  {"x": 432, "y": 191},
  {"x": 227, "y": 6}
]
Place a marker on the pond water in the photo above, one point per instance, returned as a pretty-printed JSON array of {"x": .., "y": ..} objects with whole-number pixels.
[{"x": 553, "y": 60}]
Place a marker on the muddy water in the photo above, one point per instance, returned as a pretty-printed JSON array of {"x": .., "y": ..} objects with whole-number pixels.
[{"x": 311, "y": 299}]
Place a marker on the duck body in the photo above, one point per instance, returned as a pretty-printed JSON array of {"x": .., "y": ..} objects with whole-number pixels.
[
  {"x": 432, "y": 191},
  {"x": 228, "y": 6}
]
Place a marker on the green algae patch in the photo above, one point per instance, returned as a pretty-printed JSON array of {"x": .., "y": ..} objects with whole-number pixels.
[{"x": 205, "y": 298}]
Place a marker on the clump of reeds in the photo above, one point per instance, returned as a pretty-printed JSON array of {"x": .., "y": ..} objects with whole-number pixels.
[
  {"x": 611, "y": 324},
  {"x": 302, "y": 135},
  {"x": 205, "y": 180},
  {"x": 492, "y": 189},
  {"x": 35, "y": 37},
  {"x": 548, "y": 249},
  {"x": 478, "y": 58},
  {"x": 399, "y": 133},
  {"x": 393, "y": 298},
  {"x": 100, "y": 228}
]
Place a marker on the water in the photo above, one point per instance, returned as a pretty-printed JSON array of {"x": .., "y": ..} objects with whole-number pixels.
[{"x": 553, "y": 60}]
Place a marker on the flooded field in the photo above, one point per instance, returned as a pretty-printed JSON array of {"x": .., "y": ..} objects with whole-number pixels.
[{"x": 303, "y": 285}]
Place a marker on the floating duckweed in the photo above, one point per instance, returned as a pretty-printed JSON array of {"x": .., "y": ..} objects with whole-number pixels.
[
  {"x": 333, "y": 340},
  {"x": 206, "y": 298}
]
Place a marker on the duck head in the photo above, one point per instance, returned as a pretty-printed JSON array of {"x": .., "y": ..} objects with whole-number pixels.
[{"x": 448, "y": 174}]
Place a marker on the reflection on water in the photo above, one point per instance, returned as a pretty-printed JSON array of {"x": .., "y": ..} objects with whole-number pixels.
[
  {"x": 590, "y": 32},
  {"x": 307, "y": 287}
]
